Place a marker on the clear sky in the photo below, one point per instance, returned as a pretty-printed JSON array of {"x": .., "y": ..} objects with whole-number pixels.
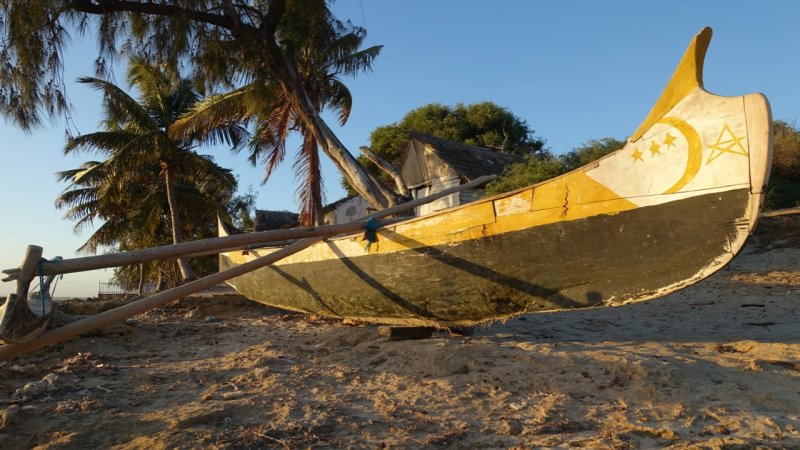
[{"x": 574, "y": 70}]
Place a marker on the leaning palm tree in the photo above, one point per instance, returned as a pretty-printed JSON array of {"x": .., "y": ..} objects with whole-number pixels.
[
  {"x": 322, "y": 58},
  {"x": 134, "y": 140}
]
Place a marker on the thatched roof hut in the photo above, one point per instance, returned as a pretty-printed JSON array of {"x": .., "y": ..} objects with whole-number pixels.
[
  {"x": 432, "y": 164},
  {"x": 428, "y": 157}
]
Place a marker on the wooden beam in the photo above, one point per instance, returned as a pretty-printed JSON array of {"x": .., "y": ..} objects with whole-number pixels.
[
  {"x": 780, "y": 212},
  {"x": 123, "y": 312},
  {"x": 228, "y": 243},
  {"x": 199, "y": 247},
  {"x": 162, "y": 298}
]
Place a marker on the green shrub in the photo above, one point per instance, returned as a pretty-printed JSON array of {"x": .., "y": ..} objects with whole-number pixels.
[
  {"x": 786, "y": 156},
  {"x": 782, "y": 193},
  {"x": 533, "y": 170},
  {"x": 540, "y": 168}
]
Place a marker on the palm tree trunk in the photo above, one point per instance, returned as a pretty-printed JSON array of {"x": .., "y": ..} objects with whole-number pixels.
[
  {"x": 365, "y": 184},
  {"x": 183, "y": 265},
  {"x": 140, "y": 288},
  {"x": 373, "y": 191},
  {"x": 161, "y": 282},
  {"x": 310, "y": 191}
]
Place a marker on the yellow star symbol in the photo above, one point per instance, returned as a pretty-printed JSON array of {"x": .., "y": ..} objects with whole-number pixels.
[
  {"x": 637, "y": 155},
  {"x": 727, "y": 142},
  {"x": 654, "y": 149},
  {"x": 668, "y": 140}
]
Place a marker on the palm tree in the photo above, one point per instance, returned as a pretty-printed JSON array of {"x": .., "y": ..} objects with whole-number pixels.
[
  {"x": 131, "y": 215},
  {"x": 132, "y": 208},
  {"x": 322, "y": 58},
  {"x": 135, "y": 142}
]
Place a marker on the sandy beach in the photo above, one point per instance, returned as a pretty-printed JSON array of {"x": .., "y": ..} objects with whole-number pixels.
[{"x": 716, "y": 365}]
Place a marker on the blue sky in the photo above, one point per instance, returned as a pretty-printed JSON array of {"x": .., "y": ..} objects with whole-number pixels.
[{"x": 574, "y": 70}]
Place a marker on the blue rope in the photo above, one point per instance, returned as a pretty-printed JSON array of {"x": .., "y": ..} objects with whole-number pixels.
[{"x": 371, "y": 231}]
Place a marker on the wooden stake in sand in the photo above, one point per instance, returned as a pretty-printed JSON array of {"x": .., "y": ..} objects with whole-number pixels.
[
  {"x": 123, "y": 312},
  {"x": 18, "y": 321}
]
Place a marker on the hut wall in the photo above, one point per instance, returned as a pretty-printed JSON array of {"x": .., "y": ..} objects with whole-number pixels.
[
  {"x": 437, "y": 185},
  {"x": 349, "y": 211},
  {"x": 421, "y": 165}
]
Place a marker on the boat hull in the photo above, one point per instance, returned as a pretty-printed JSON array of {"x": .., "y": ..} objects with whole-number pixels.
[
  {"x": 675, "y": 204},
  {"x": 596, "y": 261}
]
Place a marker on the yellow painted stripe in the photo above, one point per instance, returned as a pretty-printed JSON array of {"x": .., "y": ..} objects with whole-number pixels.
[
  {"x": 688, "y": 76},
  {"x": 569, "y": 197}
]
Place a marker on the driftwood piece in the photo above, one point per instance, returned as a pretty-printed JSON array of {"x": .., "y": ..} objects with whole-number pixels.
[{"x": 19, "y": 320}]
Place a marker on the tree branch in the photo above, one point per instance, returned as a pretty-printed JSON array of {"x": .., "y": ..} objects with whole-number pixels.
[
  {"x": 387, "y": 167},
  {"x": 99, "y": 7}
]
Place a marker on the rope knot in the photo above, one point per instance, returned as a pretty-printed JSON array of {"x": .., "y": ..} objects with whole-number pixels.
[{"x": 371, "y": 231}]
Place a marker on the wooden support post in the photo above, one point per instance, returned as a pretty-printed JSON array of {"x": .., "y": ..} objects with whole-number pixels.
[
  {"x": 18, "y": 322},
  {"x": 33, "y": 254}
]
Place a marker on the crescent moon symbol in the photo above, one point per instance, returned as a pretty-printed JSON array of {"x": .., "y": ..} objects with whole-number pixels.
[{"x": 695, "y": 158}]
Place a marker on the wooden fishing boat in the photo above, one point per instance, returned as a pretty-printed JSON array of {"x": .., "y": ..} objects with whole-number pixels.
[{"x": 667, "y": 210}]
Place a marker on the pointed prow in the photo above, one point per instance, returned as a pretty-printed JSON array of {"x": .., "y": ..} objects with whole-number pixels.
[{"x": 687, "y": 77}]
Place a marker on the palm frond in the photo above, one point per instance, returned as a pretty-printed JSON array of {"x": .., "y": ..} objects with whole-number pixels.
[
  {"x": 339, "y": 99},
  {"x": 266, "y": 147},
  {"x": 207, "y": 117},
  {"x": 309, "y": 193},
  {"x": 120, "y": 109},
  {"x": 355, "y": 63},
  {"x": 149, "y": 80}
]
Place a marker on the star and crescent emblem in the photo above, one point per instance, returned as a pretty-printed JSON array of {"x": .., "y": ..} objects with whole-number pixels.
[
  {"x": 655, "y": 148},
  {"x": 727, "y": 142}
]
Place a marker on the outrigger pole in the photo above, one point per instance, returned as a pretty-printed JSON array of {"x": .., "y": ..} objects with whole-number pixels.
[
  {"x": 227, "y": 243},
  {"x": 111, "y": 316}
]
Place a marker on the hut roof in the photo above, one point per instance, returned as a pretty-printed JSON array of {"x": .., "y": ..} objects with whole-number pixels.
[
  {"x": 331, "y": 206},
  {"x": 275, "y": 220},
  {"x": 468, "y": 161}
]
